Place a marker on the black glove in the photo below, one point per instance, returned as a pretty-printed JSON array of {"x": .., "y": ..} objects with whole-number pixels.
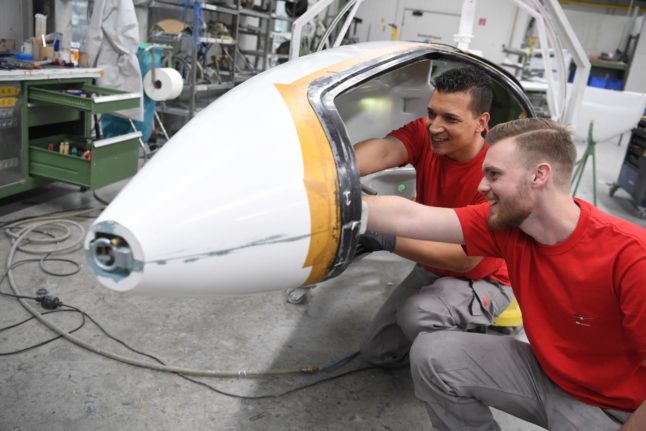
[{"x": 375, "y": 241}]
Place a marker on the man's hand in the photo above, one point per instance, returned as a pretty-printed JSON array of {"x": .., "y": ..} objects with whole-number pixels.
[
  {"x": 637, "y": 421},
  {"x": 374, "y": 241}
]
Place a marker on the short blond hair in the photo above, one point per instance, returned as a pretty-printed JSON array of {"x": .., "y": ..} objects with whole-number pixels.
[{"x": 540, "y": 140}]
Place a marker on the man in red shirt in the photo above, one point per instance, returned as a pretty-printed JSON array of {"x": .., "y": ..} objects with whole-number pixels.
[
  {"x": 579, "y": 276},
  {"x": 447, "y": 289}
]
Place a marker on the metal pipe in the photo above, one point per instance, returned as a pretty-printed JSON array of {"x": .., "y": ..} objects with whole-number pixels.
[
  {"x": 465, "y": 30},
  {"x": 572, "y": 44},
  {"x": 559, "y": 29},
  {"x": 347, "y": 23},
  {"x": 324, "y": 39},
  {"x": 300, "y": 22},
  {"x": 527, "y": 6}
]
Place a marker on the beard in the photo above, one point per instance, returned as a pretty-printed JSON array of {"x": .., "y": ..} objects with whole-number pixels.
[{"x": 510, "y": 212}]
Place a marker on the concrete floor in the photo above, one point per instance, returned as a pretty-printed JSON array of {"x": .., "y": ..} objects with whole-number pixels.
[{"x": 62, "y": 387}]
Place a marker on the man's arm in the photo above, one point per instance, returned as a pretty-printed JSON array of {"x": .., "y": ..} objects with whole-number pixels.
[
  {"x": 637, "y": 421},
  {"x": 450, "y": 257},
  {"x": 402, "y": 217},
  {"x": 374, "y": 155}
]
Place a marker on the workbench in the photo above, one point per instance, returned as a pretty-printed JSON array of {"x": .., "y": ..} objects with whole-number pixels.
[{"x": 46, "y": 130}]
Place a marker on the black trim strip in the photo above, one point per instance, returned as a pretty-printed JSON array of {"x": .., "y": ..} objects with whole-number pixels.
[{"x": 321, "y": 95}]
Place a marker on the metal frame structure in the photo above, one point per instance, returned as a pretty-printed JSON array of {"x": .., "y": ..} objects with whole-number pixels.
[{"x": 554, "y": 32}]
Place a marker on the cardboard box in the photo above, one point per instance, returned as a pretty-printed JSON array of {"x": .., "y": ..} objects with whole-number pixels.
[
  {"x": 84, "y": 59},
  {"x": 36, "y": 45},
  {"x": 7, "y": 44},
  {"x": 47, "y": 52}
]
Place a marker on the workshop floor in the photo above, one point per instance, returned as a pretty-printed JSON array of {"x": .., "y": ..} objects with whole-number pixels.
[{"x": 60, "y": 386}]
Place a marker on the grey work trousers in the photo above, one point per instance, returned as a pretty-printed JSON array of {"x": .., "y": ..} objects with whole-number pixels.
[
  {"x": 424, "y": 302},
  {"x": 458, "y": 375}
]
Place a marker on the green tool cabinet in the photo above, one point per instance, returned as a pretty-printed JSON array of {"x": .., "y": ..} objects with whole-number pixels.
[{"x": 36, "y": 115}]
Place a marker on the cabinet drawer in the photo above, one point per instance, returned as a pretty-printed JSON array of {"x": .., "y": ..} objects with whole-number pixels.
[
  {"x": 89, "y": 98},
  {"x": 112, "y": 159},
  {"x": 628, "y": 178}
]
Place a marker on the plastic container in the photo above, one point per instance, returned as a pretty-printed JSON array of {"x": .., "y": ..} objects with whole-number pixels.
[
  {"x": 597, "y": 81},
  {"x": 40, "y": 24},
  {"x": 23, "y": 56},
  {"x": 615, "y": 84},
  {"x": 74, "y": 53}
]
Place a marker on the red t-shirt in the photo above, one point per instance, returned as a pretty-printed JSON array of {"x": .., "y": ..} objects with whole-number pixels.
[
  {"x": 583, "y": 301},
  {"x": 443, "y": 182}
]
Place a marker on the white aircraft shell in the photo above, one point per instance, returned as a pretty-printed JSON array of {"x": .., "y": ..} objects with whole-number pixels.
[
  {"x": 224, "y": 206},
  {"x": 258, "y": 192}
]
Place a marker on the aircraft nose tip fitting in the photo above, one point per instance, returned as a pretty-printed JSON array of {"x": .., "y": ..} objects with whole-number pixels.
[
  {"x": 114, "y": 255},
  {"x": 111, "y": 253}
]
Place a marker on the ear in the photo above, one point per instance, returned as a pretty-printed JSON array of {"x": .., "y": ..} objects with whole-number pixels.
[
  {"x": 483, "y": 122},
  {"x": 541, "y": 175}
]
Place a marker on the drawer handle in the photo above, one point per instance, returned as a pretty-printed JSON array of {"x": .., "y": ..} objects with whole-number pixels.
[{"x": 116, "y": 139}]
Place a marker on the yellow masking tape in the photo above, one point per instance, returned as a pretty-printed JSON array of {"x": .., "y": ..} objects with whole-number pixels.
[{"x": 320, "y": 167}]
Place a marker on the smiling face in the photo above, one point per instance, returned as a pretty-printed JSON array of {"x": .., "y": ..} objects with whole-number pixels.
[
  {"x": 506, "y": 186},
  {"x": 453, "y": 128}
]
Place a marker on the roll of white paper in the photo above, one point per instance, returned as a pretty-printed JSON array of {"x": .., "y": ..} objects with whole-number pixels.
[{"x": 167, "y": 85}]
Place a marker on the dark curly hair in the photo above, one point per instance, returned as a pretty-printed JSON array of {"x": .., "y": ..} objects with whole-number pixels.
[{"x": 470, "y": 80}]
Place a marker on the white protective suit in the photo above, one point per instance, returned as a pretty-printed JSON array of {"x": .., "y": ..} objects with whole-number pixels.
[{"x": 111, "y": 43}]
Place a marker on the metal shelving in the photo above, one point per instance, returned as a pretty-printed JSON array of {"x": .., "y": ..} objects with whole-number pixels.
[
  {"x": 214, "y": 86},
  {"x": 255, "y": 13},
  {"x": 232, "y": 63}
]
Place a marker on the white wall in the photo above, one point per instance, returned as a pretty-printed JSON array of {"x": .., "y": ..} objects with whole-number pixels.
[
  {"x": 493, "y": 27},
  {"x": 637, "y": 77},
  {"x": 500, "y": 16},
  {"x": 499, "y": 22},
  {"x": 63, "y": 24},
  {"x": 10, "y": 23},
  {"x": 376, "y": 15},
  {"x": 16, "y": 20},
  {"x": 605, "y": 32},
  {"x": 599, "y": 32}
]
